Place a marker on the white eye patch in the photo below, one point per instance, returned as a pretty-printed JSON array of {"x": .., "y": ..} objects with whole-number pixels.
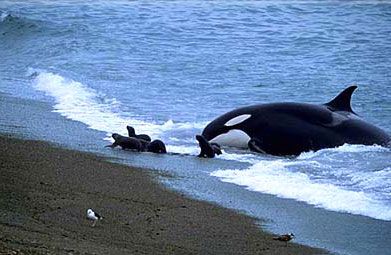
[{"x": 237, "y": 120}]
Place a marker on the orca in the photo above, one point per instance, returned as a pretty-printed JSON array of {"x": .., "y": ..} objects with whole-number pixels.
[{"x": 290, "y": 128}]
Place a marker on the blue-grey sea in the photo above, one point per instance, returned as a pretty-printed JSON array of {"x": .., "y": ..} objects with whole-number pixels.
[{"x": 74, "y": 72}]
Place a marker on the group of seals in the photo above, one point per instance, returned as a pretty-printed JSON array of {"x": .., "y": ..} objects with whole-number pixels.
[
  {"x": 143, "y": 142},
  {"x": 140, "y": 143}
]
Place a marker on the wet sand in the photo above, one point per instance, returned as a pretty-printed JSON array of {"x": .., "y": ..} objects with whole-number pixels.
[{"x": 45, "y": 192}]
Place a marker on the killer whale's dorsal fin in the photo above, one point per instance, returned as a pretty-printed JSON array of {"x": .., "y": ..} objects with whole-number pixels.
[{"x": 342, "y": 101}]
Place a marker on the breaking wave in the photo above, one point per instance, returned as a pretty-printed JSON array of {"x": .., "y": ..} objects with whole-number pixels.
[{"x": 76, "y": 101}]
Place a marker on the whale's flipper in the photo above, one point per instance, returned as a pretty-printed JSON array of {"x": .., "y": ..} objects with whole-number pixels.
[
  {"x": 342, "y": 101},
  {"x": 216, "y": 148},
  {"x": 255, "y": 145},
  {"x": 207, "y": 150}
]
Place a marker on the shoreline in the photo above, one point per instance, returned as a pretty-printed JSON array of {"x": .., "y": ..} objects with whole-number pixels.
[{"x": 45, "y": 191}]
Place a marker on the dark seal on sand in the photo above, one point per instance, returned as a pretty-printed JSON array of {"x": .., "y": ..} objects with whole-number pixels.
[
  {"x": 156, "y": 146},
  {"x": 128, "y": 143},
  {"x": 140, "y": 145}
]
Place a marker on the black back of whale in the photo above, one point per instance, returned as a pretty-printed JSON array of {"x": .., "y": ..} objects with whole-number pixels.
[{"x": 292, "y": 128}]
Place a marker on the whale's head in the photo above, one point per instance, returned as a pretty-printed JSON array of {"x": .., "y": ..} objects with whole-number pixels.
[{"x": 228, "y": 130}]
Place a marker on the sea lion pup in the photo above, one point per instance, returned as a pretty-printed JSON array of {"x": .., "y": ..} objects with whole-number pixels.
[
  {"x": 129, "y": 143},
  {"x": 132, "y": 133},
  {"x": 208, "y": 150},
  {"x": 156, "y": 146}
]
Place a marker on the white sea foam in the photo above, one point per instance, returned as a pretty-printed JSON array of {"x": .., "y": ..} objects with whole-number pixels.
[
  {"x": 189, "y": 150},
  {"x": 275, "y": 177},
  {"x": 78, "y": 102},
  {"x": 182, "y": 140},
  {"x": 3, "y": 16},
  {"x": 171, "y": 125},
  {"x": 379, "y": 181},
  {"x": 346, "y": 148},
  {"x": 245, "y": 157}
]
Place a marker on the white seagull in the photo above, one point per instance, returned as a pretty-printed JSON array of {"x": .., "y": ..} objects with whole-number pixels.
[
  {"x": 91, "y": 215},
  {"x": 284, "y": 238}
]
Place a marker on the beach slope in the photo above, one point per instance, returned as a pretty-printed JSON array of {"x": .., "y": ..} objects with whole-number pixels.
[{"x": 45, "y": 192}]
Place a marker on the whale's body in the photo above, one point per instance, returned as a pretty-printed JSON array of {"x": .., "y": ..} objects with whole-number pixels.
[{"x": 292, "y": 128}]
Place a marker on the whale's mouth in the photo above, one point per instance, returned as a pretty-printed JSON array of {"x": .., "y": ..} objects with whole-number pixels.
[{"x": 233, "y": 138}]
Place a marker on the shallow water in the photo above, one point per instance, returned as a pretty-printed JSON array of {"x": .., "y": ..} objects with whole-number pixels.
[{"x": 168, "y": 68}]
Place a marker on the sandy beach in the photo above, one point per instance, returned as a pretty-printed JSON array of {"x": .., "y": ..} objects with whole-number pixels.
[{"x": 45, "y": 192}]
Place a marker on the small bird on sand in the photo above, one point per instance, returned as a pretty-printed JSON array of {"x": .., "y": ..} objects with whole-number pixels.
[
  {"x": 284, "y": 238},
  {"x": 91, "y": 215}
]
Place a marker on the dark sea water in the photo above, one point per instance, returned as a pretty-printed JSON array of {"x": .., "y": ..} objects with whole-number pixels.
[{"x": 73, "y": 72}]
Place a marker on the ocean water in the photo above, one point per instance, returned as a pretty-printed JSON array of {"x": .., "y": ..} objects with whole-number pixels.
[{"x": 170, "y": 67}]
